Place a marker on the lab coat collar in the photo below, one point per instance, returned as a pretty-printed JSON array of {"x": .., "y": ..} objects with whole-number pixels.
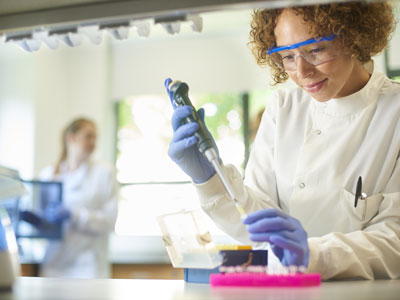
[
  {"x": 75, "y": 178},
  {"x": 352, "y": 104},
  {"x": 81, "y": 169}
]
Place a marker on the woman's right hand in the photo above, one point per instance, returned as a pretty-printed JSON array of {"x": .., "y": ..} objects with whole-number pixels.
[
  {"x": 56, "y": 213},
  {"x": 183, "y": 147}
]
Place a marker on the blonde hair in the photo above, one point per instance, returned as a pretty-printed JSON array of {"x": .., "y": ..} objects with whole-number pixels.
[{"x": 72, "y": 128}]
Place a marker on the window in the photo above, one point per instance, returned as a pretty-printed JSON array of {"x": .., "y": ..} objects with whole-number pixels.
[
  {"x": 392, "y": 68},
  {"x": 151, "y": 182}
]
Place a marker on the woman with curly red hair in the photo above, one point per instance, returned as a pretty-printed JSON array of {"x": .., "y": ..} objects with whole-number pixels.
[{"x": 322, "y": 185}]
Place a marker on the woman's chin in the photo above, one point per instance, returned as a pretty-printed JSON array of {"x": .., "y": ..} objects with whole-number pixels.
[{"x": 321, "y": 97}]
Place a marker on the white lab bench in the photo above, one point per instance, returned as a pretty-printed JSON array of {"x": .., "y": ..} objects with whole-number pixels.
[{"x": 33, "y": 288}]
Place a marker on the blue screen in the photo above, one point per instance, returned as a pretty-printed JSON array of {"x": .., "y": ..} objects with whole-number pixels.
[{"x": 27, "y": 212}]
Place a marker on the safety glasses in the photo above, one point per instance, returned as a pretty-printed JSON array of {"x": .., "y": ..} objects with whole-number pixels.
[{"x": 314, "y": 51}]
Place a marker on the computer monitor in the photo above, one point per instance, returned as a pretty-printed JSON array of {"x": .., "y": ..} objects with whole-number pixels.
[{"x": 27, "y": 212}]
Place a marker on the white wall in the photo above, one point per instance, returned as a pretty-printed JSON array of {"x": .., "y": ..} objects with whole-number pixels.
[
  {"x": 70, "y": 83},
  {"x": 16, "y": 110},
  {"x": 48, "y": 89}
]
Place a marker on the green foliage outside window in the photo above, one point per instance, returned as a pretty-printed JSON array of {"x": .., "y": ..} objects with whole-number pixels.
[
  {"x": 224, "y": 119},
  {"x": 225, "y": 102},
  {"x": 396, "y": 78}
]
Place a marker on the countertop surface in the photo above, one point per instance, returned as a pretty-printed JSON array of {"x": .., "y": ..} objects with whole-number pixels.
[{"x": 51, "y": 288}]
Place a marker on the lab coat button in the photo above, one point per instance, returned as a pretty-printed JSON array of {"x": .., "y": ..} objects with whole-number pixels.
[
  {"x": 318, "y": 132},
  {"x": 302, "y": 185}
]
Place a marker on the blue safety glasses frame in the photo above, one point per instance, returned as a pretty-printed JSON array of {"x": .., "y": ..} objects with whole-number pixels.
[{"x": 297, "y": 45}]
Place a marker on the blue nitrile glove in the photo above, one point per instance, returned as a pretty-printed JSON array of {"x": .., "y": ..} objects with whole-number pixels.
[
  {"x": 183, "y": 149},
  {"x": 285, "y": 234},
  {"x": 56, "y": 214},
  {"x": 3, "y": 239},
  {"x": 31, "y": 218}
]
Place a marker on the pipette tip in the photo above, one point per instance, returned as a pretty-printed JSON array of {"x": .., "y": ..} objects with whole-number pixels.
[{"x": 240, "y": 209}]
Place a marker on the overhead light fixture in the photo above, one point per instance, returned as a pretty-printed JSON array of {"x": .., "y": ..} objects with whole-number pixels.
[
  {"x": 172, "y": 24},
  {"x": 142, "y": 28},
  {"x": 173, "y": 27},
  {"x": 43, "y": 36},
  {"x": 92, "y": 33},
  {"x": 70, "y": 39},
  {"x": 72, "y": 36},
  {"x": 118, "y": 32},
  {"x": 69, "y": 36},
  {"x": 197, "y": 22},
  {"x": 32, "y": 41},
  {"x": 25, "y": 41},
  {"x": 28, "y": 45}
]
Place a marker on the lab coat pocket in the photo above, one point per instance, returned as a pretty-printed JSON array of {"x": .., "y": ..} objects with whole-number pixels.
[{"x": 366, "y": 209}]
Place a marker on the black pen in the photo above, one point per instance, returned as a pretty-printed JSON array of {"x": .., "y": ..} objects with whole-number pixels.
[{"x": 359, "y": 194}]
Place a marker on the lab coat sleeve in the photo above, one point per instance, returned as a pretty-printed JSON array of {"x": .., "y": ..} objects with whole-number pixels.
[
  {"x": 371, "y": 253},
  {"x": 257, "y": 192},
  {"x": 102, "y": 218}
]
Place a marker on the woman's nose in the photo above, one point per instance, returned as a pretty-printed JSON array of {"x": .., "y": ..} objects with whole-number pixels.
[{"x": 304, "y": 68}]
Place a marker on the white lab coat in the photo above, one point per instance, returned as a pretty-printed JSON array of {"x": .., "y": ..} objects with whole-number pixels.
[
  {"x": 90, "y": 193},
  {"x": 306, "y": 159}
]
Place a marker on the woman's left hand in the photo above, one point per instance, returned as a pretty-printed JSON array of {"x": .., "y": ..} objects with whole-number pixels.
[{"x": 286, "y": 235}]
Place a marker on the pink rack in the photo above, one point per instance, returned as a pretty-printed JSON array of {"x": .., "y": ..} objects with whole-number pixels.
[{"x": 264, "y": 280}]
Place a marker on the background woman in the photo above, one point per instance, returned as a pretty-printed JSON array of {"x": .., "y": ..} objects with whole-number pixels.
[{"x": 89, "y": 209}]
